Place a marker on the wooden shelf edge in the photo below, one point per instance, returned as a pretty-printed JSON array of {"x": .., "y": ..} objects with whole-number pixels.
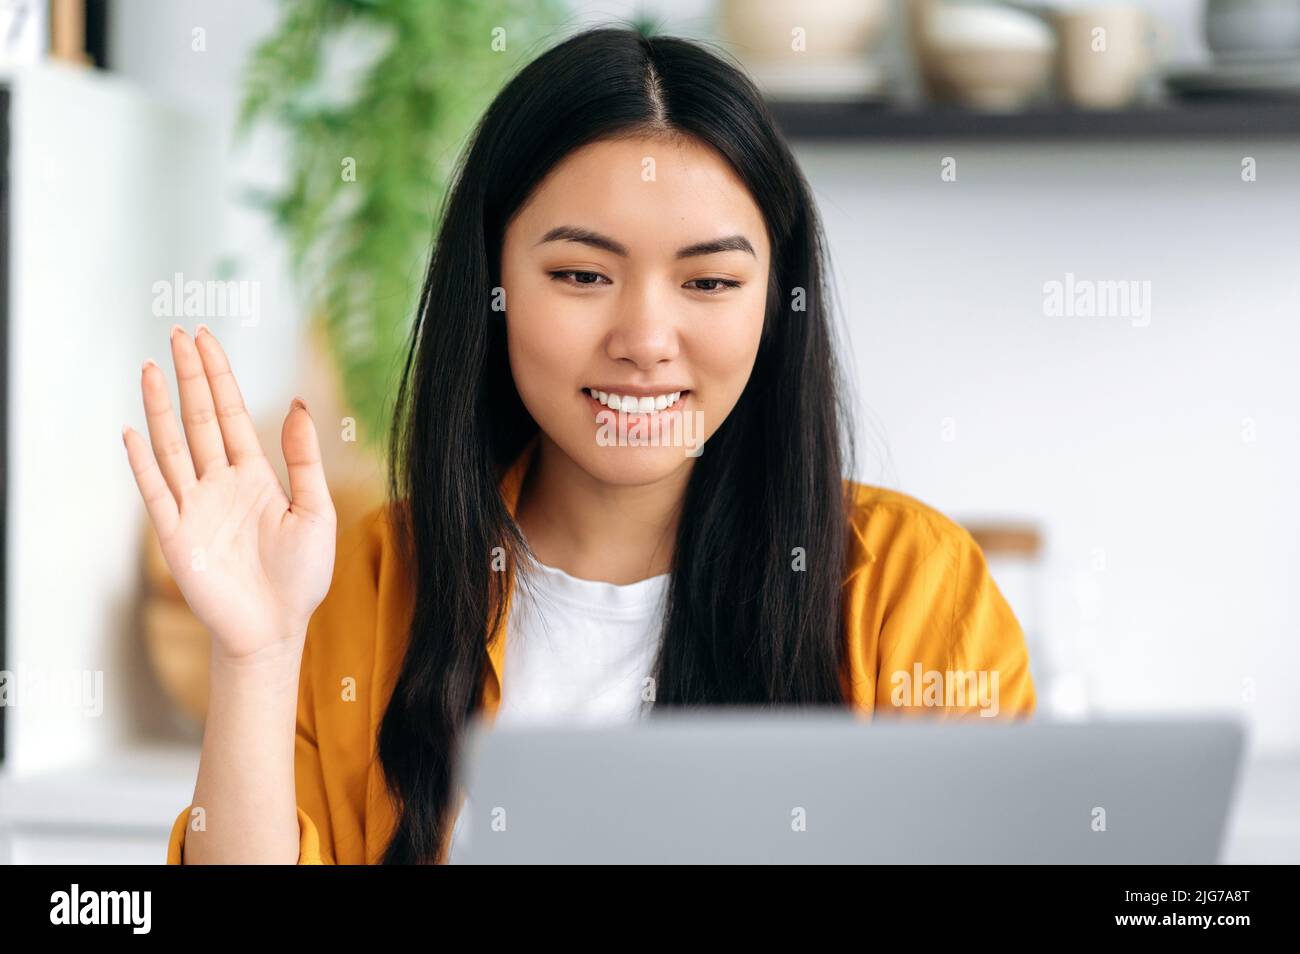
[{"x": 1209, "y": 119}]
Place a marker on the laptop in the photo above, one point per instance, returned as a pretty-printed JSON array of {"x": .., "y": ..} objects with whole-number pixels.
[{"x": 794, "y": 786}]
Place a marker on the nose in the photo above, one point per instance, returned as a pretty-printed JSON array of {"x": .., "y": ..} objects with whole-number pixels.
[{"x": 644, "y": 330}]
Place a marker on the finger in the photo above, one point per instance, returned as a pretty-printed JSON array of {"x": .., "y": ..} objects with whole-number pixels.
[
  {"x": 158, "y": 499},
  {"x": 307, "y": 487},
  {"x": 232, "y": 417},
  {"x": 198, "y": 413},
  {"x": 169, "y": 448}
]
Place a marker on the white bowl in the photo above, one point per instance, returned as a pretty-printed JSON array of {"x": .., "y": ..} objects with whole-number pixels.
[
  {"x": 761, "y": 30},
  {"x": 1236, "y": 27},
  {"x": 982, "y": 56}
]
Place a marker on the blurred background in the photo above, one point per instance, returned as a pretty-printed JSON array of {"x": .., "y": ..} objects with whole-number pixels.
[{"x": 1063, "y": 240}]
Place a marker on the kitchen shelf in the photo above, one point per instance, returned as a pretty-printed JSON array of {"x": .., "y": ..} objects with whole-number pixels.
[{"x": 1209, "y": 119}]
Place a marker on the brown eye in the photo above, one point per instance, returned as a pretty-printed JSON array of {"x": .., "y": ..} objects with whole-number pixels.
[
  {"x": 580, "y": 278},
  {"x": 715, "y": 285}
]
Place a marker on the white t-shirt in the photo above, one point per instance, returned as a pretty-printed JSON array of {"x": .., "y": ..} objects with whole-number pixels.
[{"x": 576, "y": 651}]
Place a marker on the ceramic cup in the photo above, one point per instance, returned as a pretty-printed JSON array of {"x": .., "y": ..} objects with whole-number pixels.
[{"x": 1106, "y": 52}]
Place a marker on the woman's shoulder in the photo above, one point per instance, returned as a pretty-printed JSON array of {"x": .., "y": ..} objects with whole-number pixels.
[
  {"x": 911, "y": 562},
  {"x": 921, "y": 599},
  {"x": 891, "y": 522}
]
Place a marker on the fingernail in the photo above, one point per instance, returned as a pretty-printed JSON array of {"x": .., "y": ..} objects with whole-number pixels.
[
  {"x": 176, "y": 328},
  {"x": 298, "y": 402},
  {"x": 125, "y": 428},
  {"x": 200, "y": 330},
  {"x": 148, "y": 363}
]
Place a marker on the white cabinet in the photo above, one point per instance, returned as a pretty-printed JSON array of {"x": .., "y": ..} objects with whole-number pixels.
[
  {"x": 67, "y": 848},
  {"x": 117, "y": 810}
]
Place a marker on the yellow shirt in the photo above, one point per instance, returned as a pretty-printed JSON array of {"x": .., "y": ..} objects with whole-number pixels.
[{"x": 928, "y": 634}]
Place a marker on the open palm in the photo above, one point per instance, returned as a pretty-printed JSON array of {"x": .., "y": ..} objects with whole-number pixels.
[{"x": 252, "y": 563}]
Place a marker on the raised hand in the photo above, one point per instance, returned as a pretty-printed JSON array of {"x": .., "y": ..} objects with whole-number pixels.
[{"x": 252, "y": 563}]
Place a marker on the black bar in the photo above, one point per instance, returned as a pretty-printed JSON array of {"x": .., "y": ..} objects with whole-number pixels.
[{"x": 938, "y": 906}]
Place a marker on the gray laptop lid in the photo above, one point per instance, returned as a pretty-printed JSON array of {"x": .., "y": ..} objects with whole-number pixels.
[{"x": 800, "y": 786}]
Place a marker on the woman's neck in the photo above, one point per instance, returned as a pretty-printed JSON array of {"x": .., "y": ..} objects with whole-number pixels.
[{"x": 595, "y": 530}]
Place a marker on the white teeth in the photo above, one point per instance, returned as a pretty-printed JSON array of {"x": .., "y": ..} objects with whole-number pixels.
[{"x": 632, "y": 403}]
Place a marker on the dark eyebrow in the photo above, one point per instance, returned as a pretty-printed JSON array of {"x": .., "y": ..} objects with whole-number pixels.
[
  {"x": 732, "y": 243},
  {"x": 572, "y": 233}
]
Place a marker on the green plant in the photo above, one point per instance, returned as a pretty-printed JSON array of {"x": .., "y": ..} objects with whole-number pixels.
[{"x": 377, "y": 97}]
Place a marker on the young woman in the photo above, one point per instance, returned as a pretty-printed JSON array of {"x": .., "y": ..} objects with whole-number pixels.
[{"x": 617, "y": 484}]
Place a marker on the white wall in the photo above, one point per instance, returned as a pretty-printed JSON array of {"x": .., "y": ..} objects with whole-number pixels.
[
  {"x": 151, "y": 45},
  {"x": 105, "y": 201},
  {"x": 1129, "y": 440}
]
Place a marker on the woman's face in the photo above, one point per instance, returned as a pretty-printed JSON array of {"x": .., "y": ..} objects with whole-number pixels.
[{"x": 611, "y": 286}]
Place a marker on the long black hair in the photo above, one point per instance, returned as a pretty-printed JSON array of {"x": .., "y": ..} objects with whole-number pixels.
[{"x": 753, "y": 615}]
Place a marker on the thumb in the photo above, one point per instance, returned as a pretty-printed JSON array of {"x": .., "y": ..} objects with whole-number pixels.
[{"x": 308, "y": 491}]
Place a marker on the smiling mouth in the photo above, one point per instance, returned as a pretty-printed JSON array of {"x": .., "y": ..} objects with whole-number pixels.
[{"x": 636, "y": 404}]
